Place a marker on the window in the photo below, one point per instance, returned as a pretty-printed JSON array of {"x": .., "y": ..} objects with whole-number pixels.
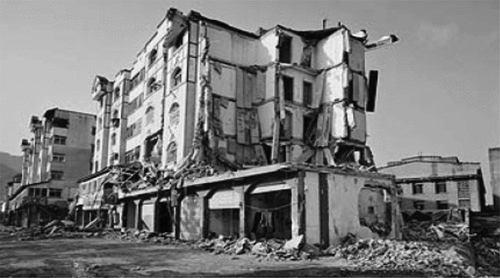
[
  {"x": 463, "y": 189},
  {"x": 288, "y": 87},
  {"x": 152, "y": 56},
  {"x": 99, "y": 123},
  {"x": 59, "y": 140},
  {"x": 98, "y": 144},
  {"x": 308, "y": 133},
  {"x": 58, "y": 157},
  {"x": 133, "y": 129},
  {"x": 418, "y": 205},
  {"x": 137, "y": 79},
  {"x": 31, "y": 192},
  {"x": 113, "y": 139},
  {"x": 440, "y": 187},
  {"x": 115, "y": 114},
  {"x": 417, "y": 188},
  {"x": 54, "y": 192},
  {"x": 150, "y": 115},
  {"x": 174, "y": 114},
  {"x": 151, "y": 85},
  {"x": 116, "y": 94},
  {"x": 129, "y": 156},
  {"x": 137, "y": 153},
  {"x": 285, "y": 49},
  {"x": 464, "y": 204},
  {"x": 56, "y": 175},
  {"x": 172, "y": 152},
  {"x": 92, "y": 131},
  {"x": 44, "y": 192},
  {"x": 96, "y": 166},
  {"x": 176, "y": 77},
  {"x": 135, "y": 104},
  {"x": 307, "y": 93},
  {"x": 442, "y": 204}
]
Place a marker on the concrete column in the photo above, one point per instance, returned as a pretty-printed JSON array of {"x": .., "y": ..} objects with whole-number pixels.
[
  {"x": 241, "y": 192},
  {"x": 294, "y": 206},
  {"x": 138, "y": 218},
  {"x": 204, "y": 211}
]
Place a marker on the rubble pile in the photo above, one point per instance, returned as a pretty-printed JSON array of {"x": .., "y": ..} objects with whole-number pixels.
[
  {"x": 427, "y": 231},
  {"x": 387, "y": 255},
  {"x": 54, "y": 229},
  {"x": 272, "y": 249},
  {"x": 143, "y": 236},
  {"x": 487, "y": 252}
]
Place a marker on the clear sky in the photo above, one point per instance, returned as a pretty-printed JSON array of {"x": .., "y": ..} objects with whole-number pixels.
[{"x": 438, "y": 87}]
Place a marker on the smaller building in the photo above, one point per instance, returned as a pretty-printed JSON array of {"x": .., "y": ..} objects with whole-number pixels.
[
  {"x": 494, "y": 157},
  {"x": 430, "y": 183},
  {"x": 58, "y": 154}
]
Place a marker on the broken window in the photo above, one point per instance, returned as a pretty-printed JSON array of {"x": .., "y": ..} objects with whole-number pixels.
[
  {"x": 417, "y": 188},
  {"x": 176, "y": 77},
  {"x": 373, "y": 210},
  {"x": 151, "y": 85},
  {"x": 58, "y": 157},
  {"x": 286, "y": 126},
  {"x": 113, "y": 139},
  {"x": 307, "y": 93},
  {"x": 152, "y": 150},
  {"x": 418, "y": 205},
  {"x": 56, "y": 175},
  {"x": 129, "y": 156},
  {"x": 152, "y": 56},
  {"x": 115, "y": 113},
  {"x": 440, "y": 187},
  {"x": 116, "y": 94},
  {"x": 442, "y": 204},
  {"x": 174, "y": 114},
  {"x": 179, "y": 41},
  {"x": 463, "y": 189},
  {"x": 172, "y": 152},
  {"x": 288, "y": 87},
  {"x": 285, "y": 49},
  {"x": 59, "y": 140},
  {"x": 309, "y": 131},
  {"x": 150, "y": 115}
]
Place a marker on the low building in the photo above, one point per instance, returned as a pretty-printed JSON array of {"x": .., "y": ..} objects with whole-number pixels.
[
  {"x": 54, "y": 159},
  {"x": 494, "y": 158},
  {"x": 430, "y": 183}
]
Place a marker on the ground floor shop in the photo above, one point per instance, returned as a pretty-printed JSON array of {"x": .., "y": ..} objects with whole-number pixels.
[{"x": 277, "y": 201}]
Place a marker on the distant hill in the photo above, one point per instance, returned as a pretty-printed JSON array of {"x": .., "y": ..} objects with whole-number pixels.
[{"x": 9, "y": 166}]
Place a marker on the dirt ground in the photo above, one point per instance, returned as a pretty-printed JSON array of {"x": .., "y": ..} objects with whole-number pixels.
[{"x": 99, "y": 257}]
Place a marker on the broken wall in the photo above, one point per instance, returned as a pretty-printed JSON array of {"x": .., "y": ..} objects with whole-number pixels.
[{"x": 343, "y": 205}]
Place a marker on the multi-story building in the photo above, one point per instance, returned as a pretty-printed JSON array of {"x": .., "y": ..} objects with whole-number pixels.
[
  {"x": 206, "y": 97},
  {"x": 432, "y": 183},
  {"x": 54, "y": 159},
  {"x": 494, "y": 158}
]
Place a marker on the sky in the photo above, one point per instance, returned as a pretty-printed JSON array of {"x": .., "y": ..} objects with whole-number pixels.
[{"x": 438, "y": 91}]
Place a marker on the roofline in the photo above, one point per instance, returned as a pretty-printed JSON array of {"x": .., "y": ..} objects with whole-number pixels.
[
  {"x": 24, "y": 186},
  {"x": 70, "y": 111},
  {"x": 399, "y": 163},
  {"x": 439, "y": 178}
]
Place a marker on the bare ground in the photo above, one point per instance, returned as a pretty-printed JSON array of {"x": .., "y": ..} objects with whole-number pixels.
[{"x": 99, "y": 257}]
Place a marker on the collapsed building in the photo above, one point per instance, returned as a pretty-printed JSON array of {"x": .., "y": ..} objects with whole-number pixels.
[{"x": 220, "y": 131}]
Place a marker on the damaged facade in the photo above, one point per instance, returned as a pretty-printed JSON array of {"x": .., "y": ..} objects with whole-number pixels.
[
  {"x": 220, "y": 131},
  {"x": 53, "y": 160}
]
